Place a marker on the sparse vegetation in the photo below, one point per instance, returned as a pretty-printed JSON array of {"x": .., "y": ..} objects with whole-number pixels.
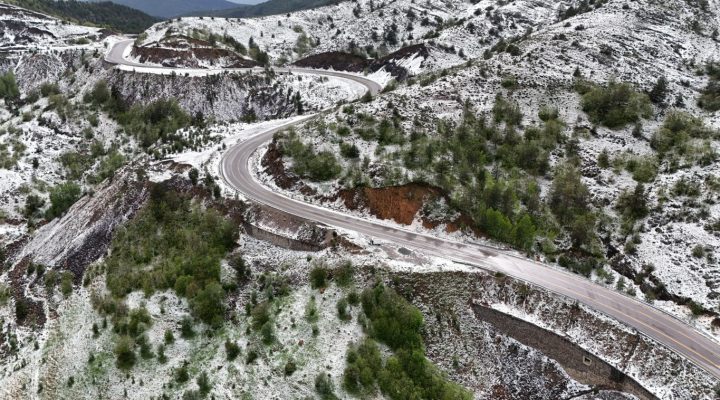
[
  {"x": 405, "y": 374},
  {"x": 62, "y": 197},
  {"x": 615, "y": 104},
  {"x": 710, "y": 97},
  {"x": 682, "y": 135},
  {"x": 317, "y": 166},
  {"x": 8, "y": 87},
  {"x": 162, "y": 248}
]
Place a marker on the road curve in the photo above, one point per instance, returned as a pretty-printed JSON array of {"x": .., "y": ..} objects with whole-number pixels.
[
  {"x": 116, "y": 56},
  {"x": 654, "y": 323}
]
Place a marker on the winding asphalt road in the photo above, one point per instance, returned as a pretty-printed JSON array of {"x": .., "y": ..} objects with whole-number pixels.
[{"x": 654, "y": 323}]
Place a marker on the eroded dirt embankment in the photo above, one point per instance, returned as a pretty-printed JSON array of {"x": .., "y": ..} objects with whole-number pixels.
[{"x": 402, "y": 204}]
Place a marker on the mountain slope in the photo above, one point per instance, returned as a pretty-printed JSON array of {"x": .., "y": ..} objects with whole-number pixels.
[
  {"x": 172, "y": 8},
  {"x": 270, "y": 7},
  {"x": 105, "y": 14}
]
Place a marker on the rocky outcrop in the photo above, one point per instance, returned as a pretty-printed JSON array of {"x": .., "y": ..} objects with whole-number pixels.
[
  {"x": 83, "y": 234},
  {"x": 223, "y": 97},
  {"x": 341, "y": 61}
]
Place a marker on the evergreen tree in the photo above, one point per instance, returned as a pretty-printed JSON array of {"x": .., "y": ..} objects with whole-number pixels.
[{"x": 659, "y": 91}]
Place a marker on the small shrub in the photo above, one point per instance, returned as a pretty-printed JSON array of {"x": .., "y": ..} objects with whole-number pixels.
[
  {"x": 169, "y": 337},
  {"x": 252, "y": 355},
  {"x": 203, "y": 383},
  {"x": 290, "y": 368},
  {"x": 62, "y": 197},
  {"x": 181, "y": 374},
  {"x": 342, "y": 309},
  {"x": 187, "y": 330},
  {"x": 311, "y": 311},
  {"x": 66, "y": 283},
  {"x": 232, "y": 350},
  {"x": 318, "y": 277},
  {"x": 125, "y": 353},
  {"x": 343, "y": 275},
  {"x": 267, "y": 332},
  {"x": 324, "y": 387},
  {"x": 698, "y": 251}
]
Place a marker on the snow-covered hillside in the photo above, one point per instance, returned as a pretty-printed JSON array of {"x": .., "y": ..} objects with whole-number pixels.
[
  {"x": 105, "y": 170},
  {"x": 634, "y": 42},
  {"x": 21, "y": 29},
  {"x": 456, "y": 30}
]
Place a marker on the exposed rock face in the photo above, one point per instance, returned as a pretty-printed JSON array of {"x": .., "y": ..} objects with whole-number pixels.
[
  {"x": 83, "y": 235},
  {"x": 341, "y": 61},
  {"x": 224, "y": 97}
]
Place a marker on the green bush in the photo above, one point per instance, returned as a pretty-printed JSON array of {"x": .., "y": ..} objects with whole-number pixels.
[
  {"x": 181, "y": 374},
  {"x": 405, "y": 375},
  {"x": 33, "y": 204},
  {"x": 709, "y": 99},
  {"x": 208, "y": 304},
  {"x": 203, "y": 382},
  {"x": 318, "y": 277},
  {"x": 676, "y": 133},
  {"x": 48, "y": 88},
  {"x": 232, "y": 350},
  {"x": 342, "y": 309},
  {"x": 548, "y": 113},
  {"x": 311, "y": 311},
  {"x": 643, "y": 169},
  {"x": 170, "y": 243},
  {"x": 8, "y": 87},
  {"x": 156, "y": 121},
  {"x": 507, "y": 111},
  {"x": 392, "y": 320},
  {"x": 108, "y": 166},
  {"x": 364, "y": 364},
  {"x": 343, "y": 275},
  {"x": 76, "y": 164},
  {"x": 633, "y": 205},
  {"x": 497, "y": 225},
  {"x": 349, "y": 151},
  {"x": 290, "y": 368},
  {"x": 322, "y": 166},
  {"x": 324, "y": 387},
  {"x": 267, "y": 332},
  {"x": 125, "y": 353},
  {"x": 659, "y": 91},
  {"x": 569, "y": 197},
  {"x": 66, "y": 283},
  {"x": 615, "y": 104},
  {"x": 62, "y": 197},
  {"x": 260, "y": 315},
  {"x": 168, "y": 337}
]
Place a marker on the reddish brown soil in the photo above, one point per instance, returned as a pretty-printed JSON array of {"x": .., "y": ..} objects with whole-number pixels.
[
  {"x": 402, "y": 204},
  {"x": 399, "y": 203}
]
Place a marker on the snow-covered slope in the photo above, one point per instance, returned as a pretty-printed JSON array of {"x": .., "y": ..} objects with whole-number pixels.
[
  {"x": 456, "y": 30},
  {"x": 635, "y": 42},
  {"x": 23, "y": 29}
]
